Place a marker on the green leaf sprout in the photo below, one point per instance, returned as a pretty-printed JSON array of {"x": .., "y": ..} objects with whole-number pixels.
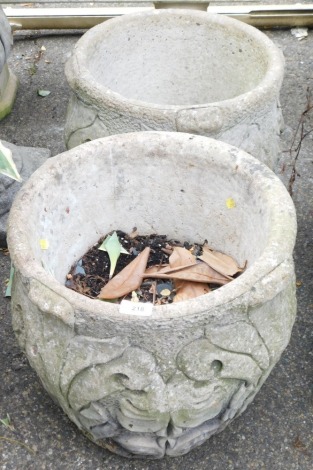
[
  {"x": 114, "y": 248},
  {"x": 7, "y": 165}
]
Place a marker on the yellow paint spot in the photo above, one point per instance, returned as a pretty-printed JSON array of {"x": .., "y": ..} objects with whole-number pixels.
[
  {"x": 44, "y": 244},
  {"x": 230, "y": 203}
]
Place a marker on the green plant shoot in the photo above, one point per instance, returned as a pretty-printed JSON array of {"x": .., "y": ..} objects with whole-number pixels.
[
  {"x": 9, "y": 286},
  {"x": 6, "y": 422},
  {"x": 113, "y": 247},
  {"x": 7, "y": 165}
]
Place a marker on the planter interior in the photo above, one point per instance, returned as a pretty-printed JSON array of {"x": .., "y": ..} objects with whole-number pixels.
[
  {"x": 162, "y": 384},
  {"x": 176, "y": 70},
  {"x": 210, "y": 67}
]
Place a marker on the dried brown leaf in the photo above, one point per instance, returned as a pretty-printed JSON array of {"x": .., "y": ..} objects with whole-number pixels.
[
  {"x": 181, "y": 257},
  {"x": 222, "y": 263},
  {"x": 184, "y": 269},
  {"x": 199, "y": 272},
  {"x": 157, "y": 268},
  {"x": 127, "y": 280},
  {"x": 188, "y": 290},
  {"x": 167, "y": 251}
]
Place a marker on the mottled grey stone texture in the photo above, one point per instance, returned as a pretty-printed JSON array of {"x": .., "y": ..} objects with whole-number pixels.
[
  {"x": 8, "y": 81},
  {"x": 162, "y": 384},
  {"x": 177, "y": 70},
  {"x": 27, "y": 160},
  {"x": 5, "y": 39}
]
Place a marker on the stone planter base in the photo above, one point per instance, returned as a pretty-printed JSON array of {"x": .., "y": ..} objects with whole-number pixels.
[
  {"x": 178, "y": 71},
  {"x": 164, "y": 383},
  {"x": 8, "y": 89}
]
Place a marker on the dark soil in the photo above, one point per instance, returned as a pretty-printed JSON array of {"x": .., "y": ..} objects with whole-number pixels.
[{"x": 89, "y": 274}]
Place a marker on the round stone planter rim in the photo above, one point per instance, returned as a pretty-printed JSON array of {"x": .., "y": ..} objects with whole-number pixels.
[
  {"x": 82, "y": 81},
  {"x": 278, "y": 250}
]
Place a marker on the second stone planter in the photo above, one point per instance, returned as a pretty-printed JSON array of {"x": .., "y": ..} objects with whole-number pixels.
[
  {"x": 177, "y": 70},
  {"x": 164, "y": 383}
]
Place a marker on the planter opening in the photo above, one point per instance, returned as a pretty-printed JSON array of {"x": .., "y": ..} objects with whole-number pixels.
[{"x": 176, "y": 60}]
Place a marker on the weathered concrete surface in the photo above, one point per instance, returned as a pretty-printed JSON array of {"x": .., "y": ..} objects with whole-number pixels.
[
  {"x": 179, "y": 71},
  {"x": 274, "y": 433}
]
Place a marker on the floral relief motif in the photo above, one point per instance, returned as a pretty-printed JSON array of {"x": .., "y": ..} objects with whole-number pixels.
[{"x": 119, "y": 396}]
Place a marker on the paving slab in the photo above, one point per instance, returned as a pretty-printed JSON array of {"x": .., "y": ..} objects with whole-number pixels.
[
  {"x": 27, "y": 160},
  {"x": 276, "y": 431}
]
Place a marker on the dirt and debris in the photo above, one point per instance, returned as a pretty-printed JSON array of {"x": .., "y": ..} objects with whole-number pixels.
[{"x": 171, "y": 270}]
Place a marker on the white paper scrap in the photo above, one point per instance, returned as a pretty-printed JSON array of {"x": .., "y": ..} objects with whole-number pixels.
[{"x": 299, "y": 33}]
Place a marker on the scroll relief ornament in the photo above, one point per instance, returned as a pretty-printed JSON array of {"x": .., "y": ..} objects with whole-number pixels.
[{"x": 122, "y": 402}]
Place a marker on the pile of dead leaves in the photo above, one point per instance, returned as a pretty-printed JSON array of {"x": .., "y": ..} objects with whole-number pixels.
[{"x": 191, "y": 275}]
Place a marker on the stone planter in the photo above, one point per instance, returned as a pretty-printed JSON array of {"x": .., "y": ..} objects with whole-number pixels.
[
  {"x": 161, "y": 384},
  {"x": 177, "y": 70},
  {"x": 8, "y": 81}
]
